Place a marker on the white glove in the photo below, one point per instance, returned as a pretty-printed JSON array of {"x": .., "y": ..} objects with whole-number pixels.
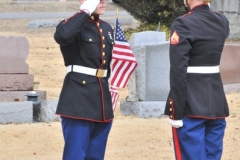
[
  {"x": 175, "y": 123},
  {"x": 89, "y": 5}
]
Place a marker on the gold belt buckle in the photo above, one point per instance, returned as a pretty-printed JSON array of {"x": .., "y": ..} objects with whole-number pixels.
[{"x": 100, "y": 73}]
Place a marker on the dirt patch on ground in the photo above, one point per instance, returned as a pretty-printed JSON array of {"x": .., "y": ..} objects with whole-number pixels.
[{"x": 131, "y": 138}]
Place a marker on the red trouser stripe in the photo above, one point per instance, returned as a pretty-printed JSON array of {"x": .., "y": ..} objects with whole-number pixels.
[{"x": 176, "y": 145}]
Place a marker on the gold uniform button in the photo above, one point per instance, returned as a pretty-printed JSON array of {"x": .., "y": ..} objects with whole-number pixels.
[
  {"x": 103, "y": 54},
  {"x": 98, "y": 24},
  {"x": 112, "y": 43},
  {"x": 170, "y": 102},
  {"x": 103, "y": 37},
  {"x": 92, "y": 17},
  {"x": 90, "y": 40},
  {"x": 170, "y": 109},
  {"x": 83, "y": 82},
  {"x": 104, "y": 61},
  {"x": 171, "y": 117},
  {"x": 103, "y": 45},
  {"x": 101, "y": 30}
]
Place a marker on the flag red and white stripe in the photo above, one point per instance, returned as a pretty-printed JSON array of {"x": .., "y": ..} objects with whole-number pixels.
[
  {"x": 115, "y": 96},
  {"x": 123, "y": 62}
]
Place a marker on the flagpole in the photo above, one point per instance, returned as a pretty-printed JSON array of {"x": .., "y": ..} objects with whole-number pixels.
[
  {"x": 115, "y": 23},
  {"x": 117, "y": 13}
]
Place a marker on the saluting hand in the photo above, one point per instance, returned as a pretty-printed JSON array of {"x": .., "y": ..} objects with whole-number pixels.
[{"x": 89, "y": 5}]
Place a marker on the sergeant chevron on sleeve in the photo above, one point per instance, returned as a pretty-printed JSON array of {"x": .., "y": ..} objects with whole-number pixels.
[{"x": 196, "y": 104}]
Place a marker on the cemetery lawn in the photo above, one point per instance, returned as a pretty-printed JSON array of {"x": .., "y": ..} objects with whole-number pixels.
[{"x": 131, "y": 138}]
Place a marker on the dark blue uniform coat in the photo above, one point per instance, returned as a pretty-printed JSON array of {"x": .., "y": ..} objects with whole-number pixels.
[
  {"x": 197, "y": 39},
  {"x": 85, "y": 41}
]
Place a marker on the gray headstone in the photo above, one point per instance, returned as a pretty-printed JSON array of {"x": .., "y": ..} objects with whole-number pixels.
[
  {"x": 42, "y": 24},
  {"x": 152, "y": 73},
  {"x": 146, "y": 109},
  {"x": 47, "y": 111},
  {"x": 16, "y": 82},
  {"x": 231, "y": 9},
  {"x": 13, "y": 54},
  {"x": 146, "y": 37},
  {"x": 132, "y": 90},
  {"x": 16, "y": 112},
  {"x": 231, "y": 88},
  {"x": 149, "y": 85}
]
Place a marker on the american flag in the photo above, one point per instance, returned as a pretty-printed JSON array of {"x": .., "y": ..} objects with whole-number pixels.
[
  {"x": 123, "y": 63},
  {"x": 115, "y": 96}
]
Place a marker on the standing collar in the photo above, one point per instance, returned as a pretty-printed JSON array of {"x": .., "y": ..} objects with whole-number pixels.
[{"x": 201, "y": 7}]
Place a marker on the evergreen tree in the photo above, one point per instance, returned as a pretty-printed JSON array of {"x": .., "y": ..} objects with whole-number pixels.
[{"x": 154, "y": 11}]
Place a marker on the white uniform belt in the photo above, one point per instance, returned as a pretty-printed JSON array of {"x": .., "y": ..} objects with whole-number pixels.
[
  {"x": 86, "y": 70},
  {"x": 203, "y": 69}
]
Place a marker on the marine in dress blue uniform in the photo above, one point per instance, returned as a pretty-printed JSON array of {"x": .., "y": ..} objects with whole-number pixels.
[
  {"x": 85, "y": 105},
  {"x": 196, "y": 104}
]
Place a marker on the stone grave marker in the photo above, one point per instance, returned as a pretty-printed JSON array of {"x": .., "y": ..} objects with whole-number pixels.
[
  {"x": 231, "y": 9},
  {"x": 15, "y": 80},
  {"x": 149, "y": 85}
]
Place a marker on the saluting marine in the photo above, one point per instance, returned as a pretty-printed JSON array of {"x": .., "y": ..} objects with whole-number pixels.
[
  {"x": 196, "y": 104},
  {"x": 85, "y": 104}
]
